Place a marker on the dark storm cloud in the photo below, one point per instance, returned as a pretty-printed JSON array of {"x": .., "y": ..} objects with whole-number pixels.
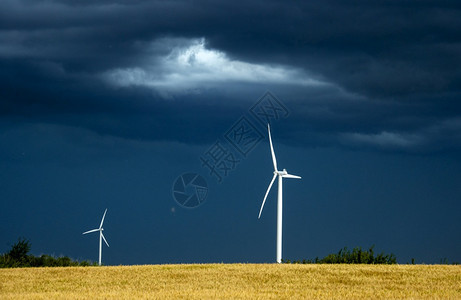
[
  {"x": 388, "y": 67},
  {"x": 384, "y": 48},
  {"x": 375, "y": 48}
]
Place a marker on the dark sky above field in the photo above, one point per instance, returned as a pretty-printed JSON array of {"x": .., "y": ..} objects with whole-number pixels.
[{"x": 103, "y": 104}]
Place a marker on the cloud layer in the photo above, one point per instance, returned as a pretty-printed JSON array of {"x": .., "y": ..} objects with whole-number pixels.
[{"x": 362, "y": 73}]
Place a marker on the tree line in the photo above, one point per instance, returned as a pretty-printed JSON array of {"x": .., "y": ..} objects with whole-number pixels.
[{"x": 18, "y": 257}]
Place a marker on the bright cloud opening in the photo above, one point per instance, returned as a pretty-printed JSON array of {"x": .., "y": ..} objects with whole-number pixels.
[{"x": 189, "y": 64}]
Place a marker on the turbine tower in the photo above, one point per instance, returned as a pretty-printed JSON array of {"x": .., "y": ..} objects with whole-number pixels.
[
  {"x": 101, "y": 236},
  {"x": 280, "y": 175}
]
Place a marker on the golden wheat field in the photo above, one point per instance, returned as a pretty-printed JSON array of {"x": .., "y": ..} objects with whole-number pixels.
[{"x": 234, "y": 281}]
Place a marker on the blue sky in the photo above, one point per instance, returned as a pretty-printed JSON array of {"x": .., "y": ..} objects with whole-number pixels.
[{"x": 104, "y": 104}]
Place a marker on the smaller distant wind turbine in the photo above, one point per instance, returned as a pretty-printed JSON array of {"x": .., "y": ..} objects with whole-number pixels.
[
  {"x": 101, "y": 236},
  {"x": 280, "y": 175}
]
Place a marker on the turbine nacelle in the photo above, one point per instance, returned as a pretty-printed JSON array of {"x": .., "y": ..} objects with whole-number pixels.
[{"x": 284, "y": 172}]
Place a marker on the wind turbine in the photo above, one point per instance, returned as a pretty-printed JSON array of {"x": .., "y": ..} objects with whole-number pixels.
[
  {"x": 280, "y": 175},
  {"x": 101, "y": 236}
]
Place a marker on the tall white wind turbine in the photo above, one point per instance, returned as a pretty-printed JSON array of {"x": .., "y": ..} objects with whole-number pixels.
[
  {"x": 101, "y": 236},
  {"x": 280, "y": 175}
]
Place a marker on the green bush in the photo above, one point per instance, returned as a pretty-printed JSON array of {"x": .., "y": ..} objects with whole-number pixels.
[{"x": 356, "y": 256}]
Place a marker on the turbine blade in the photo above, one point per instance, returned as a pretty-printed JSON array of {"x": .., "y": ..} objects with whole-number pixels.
[
  {"x": 89, "y": 231},
  {"x": 291, "y": 176},
  {"x": 274, "y": 161},
  {"x": 267, "y": 192},
  {"x": 104, "y": 239},
  {"x": 103, "y": 216}
]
